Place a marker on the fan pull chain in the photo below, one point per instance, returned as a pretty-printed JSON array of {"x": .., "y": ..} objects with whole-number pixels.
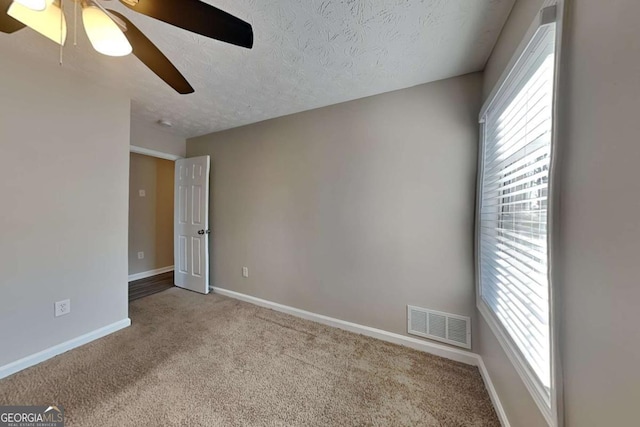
[
  {"x": 75, "y": 23},
  {"x": 61, "y": 28}
]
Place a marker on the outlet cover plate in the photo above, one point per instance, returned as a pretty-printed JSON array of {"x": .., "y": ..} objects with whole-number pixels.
[{"x": 62, "y": 307}]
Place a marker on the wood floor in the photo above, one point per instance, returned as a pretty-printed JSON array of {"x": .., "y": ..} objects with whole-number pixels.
[{"x": 149, "y": 286}]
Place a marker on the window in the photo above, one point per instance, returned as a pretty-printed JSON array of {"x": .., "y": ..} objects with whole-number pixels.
[{"x": 513, "y": 195}]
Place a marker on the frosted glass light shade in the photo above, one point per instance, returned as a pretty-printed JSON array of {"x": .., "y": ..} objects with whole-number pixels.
[
  {"x": 33, "y": 4},
  {"x": 46, "y": 22},
  {"x": 104, "y": 34}
]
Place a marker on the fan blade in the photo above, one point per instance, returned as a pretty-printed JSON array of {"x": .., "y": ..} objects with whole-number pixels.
[
  {"x": 197, "y": 17},
  {"x": 153, "y": 58},
  {"x": 8, "y": 24}
]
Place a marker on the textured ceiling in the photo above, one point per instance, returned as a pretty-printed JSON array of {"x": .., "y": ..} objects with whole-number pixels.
[{"x": 307, "y": 54}]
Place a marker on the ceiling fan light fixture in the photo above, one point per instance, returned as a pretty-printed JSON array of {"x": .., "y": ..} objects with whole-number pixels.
[
  {"x": 47, "y": 22},
  {"x": 37, "y": 5},
  {"x": 104, "y": 34}
]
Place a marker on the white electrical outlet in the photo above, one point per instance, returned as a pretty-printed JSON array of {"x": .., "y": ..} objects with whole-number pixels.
[
  {"x": 245, "y": 272},
  {"x": 140, "y": 255},
  {"x": 142, "y": 193},
  {"x": 62, "y": 308}
]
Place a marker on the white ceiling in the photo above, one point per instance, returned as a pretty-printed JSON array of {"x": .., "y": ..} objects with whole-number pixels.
[{"x": 307, "y": 54}]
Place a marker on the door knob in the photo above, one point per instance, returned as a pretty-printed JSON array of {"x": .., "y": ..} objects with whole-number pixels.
[{"x": 200, "y": 231}]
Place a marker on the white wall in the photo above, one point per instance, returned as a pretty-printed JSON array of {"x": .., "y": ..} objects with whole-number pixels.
[
  {"x": 599, "y": 225},
  {"x": 64, "y": 156},
  {"x": 154, "y": 137},
  {"x": 353, "y": 210}
]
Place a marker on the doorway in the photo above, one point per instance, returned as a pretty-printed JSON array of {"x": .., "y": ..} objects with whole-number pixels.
[{"x": 151, "y": 212}]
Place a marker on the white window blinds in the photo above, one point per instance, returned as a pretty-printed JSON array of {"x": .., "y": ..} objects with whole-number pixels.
[{"x": 512, "y": 245}]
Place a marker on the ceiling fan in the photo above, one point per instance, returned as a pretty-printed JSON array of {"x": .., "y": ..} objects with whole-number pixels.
[{"x": 111, "y": 33}]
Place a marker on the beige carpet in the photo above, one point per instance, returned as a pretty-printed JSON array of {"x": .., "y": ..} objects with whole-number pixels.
[{"x": 195, "y": 360}]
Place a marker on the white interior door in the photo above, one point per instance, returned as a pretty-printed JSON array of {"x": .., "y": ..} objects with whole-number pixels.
[{"x": 191, "y": 224}]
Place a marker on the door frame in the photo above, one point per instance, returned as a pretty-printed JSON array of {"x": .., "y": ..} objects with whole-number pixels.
[
  {"x": 160, "y": 155},
  {"x": 154, "y": 153}
]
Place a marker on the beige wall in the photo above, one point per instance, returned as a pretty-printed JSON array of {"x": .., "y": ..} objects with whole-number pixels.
[
  {"x": 154, "y": 137},
  {"x": 600, "y": 214},
  {"x": 516, "y": 400},
  {"x": 597, "y": 260},
  {"x": 151, "y": 216},
  {"x": 64, "y": 156},
  {"x": 519, "y": 21},
  {"x": 354, "y": 210}
]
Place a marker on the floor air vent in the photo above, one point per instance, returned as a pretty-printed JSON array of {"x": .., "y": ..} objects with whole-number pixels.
[{"x": 445, "y": 327}]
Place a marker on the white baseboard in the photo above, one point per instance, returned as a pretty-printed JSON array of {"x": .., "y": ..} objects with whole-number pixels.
[
  {"x": 43, "y": 355},
  {"x": 439, "y": 350},
  {"x": 145, "y": 274},
  {"x": 493, "y": 394}
]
